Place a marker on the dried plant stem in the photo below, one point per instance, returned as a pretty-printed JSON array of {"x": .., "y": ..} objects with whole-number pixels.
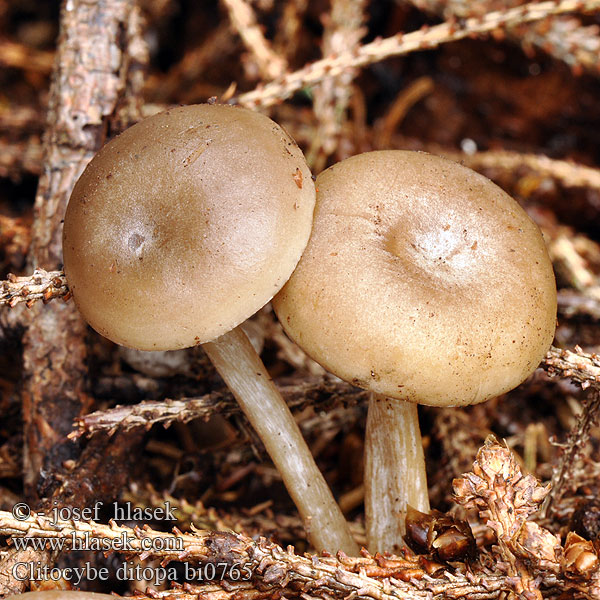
[
  {"x": 571, "y": 451},
  {"x": 276, "y": 569},
  {"x": 343, "y": 31},
  {"x": 569, "y": 174},
  {"x": 237, "y": 362},
  {"x": 395, "y": 473},
  {"x": 580, "y": 366},
  {"x": 42, "y": 285},
  {"x": 400, "y": 44},
  {"x": 241, "y": 14},
  {"x": 564, "y": 38},
  {"x": 321, "y": 393}
]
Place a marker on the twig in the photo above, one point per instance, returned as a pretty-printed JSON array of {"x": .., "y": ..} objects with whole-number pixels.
[
  {"x": 571, "y": 450},
  {"x": 87, "y": 87},
  {"x": 343, "y": 32},
  {"x": 287, "y": 37},
  {"x": 562, "y": 37},
  {"x": 42, "y": 285},
  {"x": 425, "y": 38},
  {"x": 326, "y": 577},
  {"x": 568, "y": 173},
  {"x": 404, "y": 101},
  {"x": 19, "y": 56},
  {"x": 270, "y": 64},
  {"x": 579, "y": 366},
  {"x": 322, "y": 394}
]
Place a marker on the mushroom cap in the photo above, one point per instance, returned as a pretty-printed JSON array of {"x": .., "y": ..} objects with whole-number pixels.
[
  {"x": 422, "y": 280},
  {"x": 185, "y": 225}
]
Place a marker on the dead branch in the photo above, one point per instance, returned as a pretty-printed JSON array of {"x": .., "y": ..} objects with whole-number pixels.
[
  {"x": 568, "y": 173},
  {"x": 42, "y": 285},
  {"x": 379, "y": 578},
  {"x": 400, "y": 44},
  {"x": 322, "y": 394},
  {"x": 86, "y": 89},
  {"x": 565, "y": 38},
  {"x": 579, "y": 366},
  {"x": 270, "y": 64},
  {"x": 571, "y": 451},
  {"x": 343, "y": 32}
]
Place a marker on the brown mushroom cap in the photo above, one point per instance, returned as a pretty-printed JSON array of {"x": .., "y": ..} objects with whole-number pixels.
[
  {"x": 422, "y": 280},
  {"x": 185, "y": 225}
]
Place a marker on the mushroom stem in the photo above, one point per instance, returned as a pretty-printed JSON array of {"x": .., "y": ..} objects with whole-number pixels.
[
  {"x": 395, "y": 473},
  {"x": 244, "y": 373}
]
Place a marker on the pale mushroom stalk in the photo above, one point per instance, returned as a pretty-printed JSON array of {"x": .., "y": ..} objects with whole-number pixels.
[
  {"x": 242, "y": 370},
  {"x": 394, "y": 473}
]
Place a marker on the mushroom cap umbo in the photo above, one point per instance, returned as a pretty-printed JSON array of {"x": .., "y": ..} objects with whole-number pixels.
[
  {"x": 185, "y": 225},
  {"x": 422, "y": 280}
]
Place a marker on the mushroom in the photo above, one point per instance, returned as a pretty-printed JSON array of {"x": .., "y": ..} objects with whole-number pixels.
[
  {"x": 179, "y": 230},
  {"x": 425, "y": 283}
]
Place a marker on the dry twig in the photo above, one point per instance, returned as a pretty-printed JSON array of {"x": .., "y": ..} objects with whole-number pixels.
[
  {"x": 343, "y": 32},
  {"x": 42, "y": 285},
  {"x": 568, "y": 173},
  {"x": 322, "y": 394},
  {"x": 270, "y": 64},
  {"x": 275, "y": 569},
  {"x": 579, "y": 366},
  {"x": 571, "y": 451},
  {"x": 400, "y": 44},
  {"x": 564, "y": 38}
]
